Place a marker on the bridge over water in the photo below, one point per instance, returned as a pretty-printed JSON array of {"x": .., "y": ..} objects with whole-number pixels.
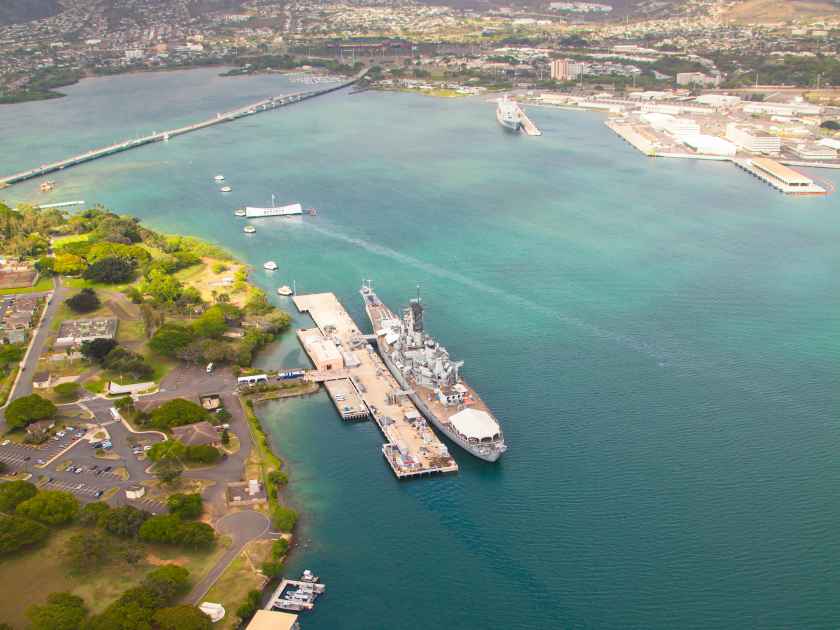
[{"x": 268, "y": 104}]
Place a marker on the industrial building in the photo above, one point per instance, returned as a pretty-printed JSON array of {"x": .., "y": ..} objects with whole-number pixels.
[
  {"x": 709, "y": 145},
  {"x": 676, "y": 127},
  {"x": 808, "y": 151},
  {"x": 718, "y": 100},
  {"x": 783, "y": 109},
  {"x": 753, "y": 140}
]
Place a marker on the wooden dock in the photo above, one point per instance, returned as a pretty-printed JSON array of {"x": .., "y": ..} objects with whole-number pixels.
[{"x": 337, "y": 346}]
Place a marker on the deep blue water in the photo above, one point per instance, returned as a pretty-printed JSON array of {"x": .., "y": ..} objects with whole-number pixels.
[{"x": 659, "y": 339}]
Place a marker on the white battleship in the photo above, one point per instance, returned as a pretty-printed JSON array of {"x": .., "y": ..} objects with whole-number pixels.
[
  {"x": 508, "y": 114},
  {"x": 431, "y": 379}
]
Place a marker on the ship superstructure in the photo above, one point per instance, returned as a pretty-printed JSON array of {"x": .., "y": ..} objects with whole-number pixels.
[{"x": 432, "y": 379}]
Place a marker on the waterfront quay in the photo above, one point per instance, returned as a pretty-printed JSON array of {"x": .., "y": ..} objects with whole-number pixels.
[
  {"x": 363, "y": 385},
  {"x": 774, "y": 173}
]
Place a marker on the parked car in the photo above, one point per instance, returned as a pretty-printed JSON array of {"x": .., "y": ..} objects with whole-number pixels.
[
  {"x": 107, "y": 468},
  {"x": 69, "y": 429},
  {"x": 148, "y": 447},
  {"x": 5, "y": 443},
  {"x": 98, "y": 493}
]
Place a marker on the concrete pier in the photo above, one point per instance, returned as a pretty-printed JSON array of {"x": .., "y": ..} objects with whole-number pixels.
[
  {"x": 528, "y": 126},
  {"x": 362, "y": 383}
]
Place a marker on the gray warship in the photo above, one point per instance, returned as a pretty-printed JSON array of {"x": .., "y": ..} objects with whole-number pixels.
[{"x": 431, "y": 379}]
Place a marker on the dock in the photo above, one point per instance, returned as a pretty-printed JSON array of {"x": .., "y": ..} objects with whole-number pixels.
[
  {"x": 782, "y": 178},
  {"x": 527, "y": 124},
  {"x": 359, "y": 382},
  {"x": 771, "y": 172},
  {"x": 264, "y": 105}
]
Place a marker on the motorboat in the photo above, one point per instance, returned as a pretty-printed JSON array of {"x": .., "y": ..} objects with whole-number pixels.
[
  {"x": 270, "y": 265},
  {"x": 219, "y": 178},
  {"x": 225, "y": 188},
  {"x": 240, "y": 212},
  {"x": 249, "y": 229},
  {"x": 285, "y": 290}
]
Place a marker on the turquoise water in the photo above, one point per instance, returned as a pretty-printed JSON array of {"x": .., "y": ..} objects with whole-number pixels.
[{"x": 659, "y": 339}]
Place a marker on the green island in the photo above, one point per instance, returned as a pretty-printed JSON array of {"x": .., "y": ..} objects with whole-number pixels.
[{"x": 146, "y": 466}]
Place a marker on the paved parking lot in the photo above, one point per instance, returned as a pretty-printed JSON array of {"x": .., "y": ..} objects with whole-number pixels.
[
  {"x": 78, "y": 488},
  {"x": 14, "y": 454}
]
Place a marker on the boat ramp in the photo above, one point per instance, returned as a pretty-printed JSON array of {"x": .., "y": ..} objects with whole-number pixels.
[{"x": 359, "y": 385}]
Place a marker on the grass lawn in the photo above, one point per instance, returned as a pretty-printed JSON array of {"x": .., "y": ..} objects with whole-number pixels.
[
  {"x": 44, "y": 283},
  {"x": 30, "y": 576},
  {"x": 239, "y": 578},
  {"x": 6, "y": 384},
  {"x": 81, "y": 283}
]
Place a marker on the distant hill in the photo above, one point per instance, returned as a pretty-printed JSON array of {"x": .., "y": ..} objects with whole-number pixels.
[
  {"x": 782, "y": 10},
  {"x": 14, "y": 11}
]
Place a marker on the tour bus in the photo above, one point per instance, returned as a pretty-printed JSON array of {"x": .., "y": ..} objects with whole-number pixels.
[{"x": 252, "y": 379}]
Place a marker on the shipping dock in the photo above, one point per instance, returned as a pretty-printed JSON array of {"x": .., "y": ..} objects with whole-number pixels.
[{"x": 360, "y": 384}]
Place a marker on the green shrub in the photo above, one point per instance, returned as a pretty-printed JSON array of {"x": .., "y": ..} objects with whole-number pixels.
[
  {"x": 66, "y": 391},
  {"x": 17, "y": 532},
  {"x": 177, "y": 412}
]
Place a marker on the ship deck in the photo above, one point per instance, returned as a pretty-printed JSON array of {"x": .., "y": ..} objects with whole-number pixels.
[
  {"x": 412, "y": 449},
  {"x": 380, "y": 312}
]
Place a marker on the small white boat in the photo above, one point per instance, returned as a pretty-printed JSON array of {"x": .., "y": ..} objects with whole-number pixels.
[
  {"x": 219, "y": 178},
  {"x": 307, "y": 574},
  {"x": 270, "y": 265},
  {"x": 285, "y": 290},
  {"x": 249, "y": 229},
  {"x": 225, "y": 188},
  {"x": 240, "y": 212}
]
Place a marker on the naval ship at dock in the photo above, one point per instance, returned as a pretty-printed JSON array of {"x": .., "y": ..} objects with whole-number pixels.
[{"x": 431, "y": 379}]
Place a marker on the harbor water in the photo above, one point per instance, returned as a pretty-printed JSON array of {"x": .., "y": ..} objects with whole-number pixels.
[{"x": 658, "y": 338}]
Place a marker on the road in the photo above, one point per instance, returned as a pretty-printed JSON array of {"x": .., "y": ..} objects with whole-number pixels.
[
  {"x": 242, "y": 527},
  {"x": 23, "y": 387}
]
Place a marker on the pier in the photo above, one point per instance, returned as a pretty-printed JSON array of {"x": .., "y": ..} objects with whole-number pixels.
[
  {"x": 771, "y": 172},
  {"x": 362, "y": 384},
  {"x": 268, "y": 104}
]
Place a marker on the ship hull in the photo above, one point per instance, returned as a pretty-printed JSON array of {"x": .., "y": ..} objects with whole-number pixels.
[
  {"x": 488, "y": 455},
  {"x": 508, "y": 125}
]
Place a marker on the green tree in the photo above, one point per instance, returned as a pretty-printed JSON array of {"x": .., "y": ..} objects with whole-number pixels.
[
  {"x": 168, "y": 470},
  {"x": 93, "y": 513},
  {"x": 272, "y": 569},
  {"x": 97, "y": 349},
  {"x": 162, "y": 287},
  {"x": 258, "y": 303},
  {"x": 182, "y": 618},
  {"x": 87, "y": 551},
  {"x": 170, "y": 449},
  {"x": 122, "y": 615},
  {"x": 177, "y": 412},
  {"x": 187, "y": 506},
  {"x": 211, "y": 323},
  {"x": 84, "y": 301},
  {"x": 68, "y": 264},
  {"x": 127, "y": 363},
  {"x": 283, "y": 518},
  {"x": 250, "y": 606},
  {"x": 17, "y": 532},
  {"x": 124, "y": 521},
  {"x": 170, "y": 338},
  {"x": 162, "y": 528},
  {"x": 51, "y": 507},
  {"x": 111, "y": 270},
  {"x": 169, "y": 582},
  {"x": 62, "y": 611},
  {"x": 196, "y": 535},
  {"x": 27, "y": 409},
  {"x": 203, "y": 454},
  {"x": 14, "y": 492}
]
